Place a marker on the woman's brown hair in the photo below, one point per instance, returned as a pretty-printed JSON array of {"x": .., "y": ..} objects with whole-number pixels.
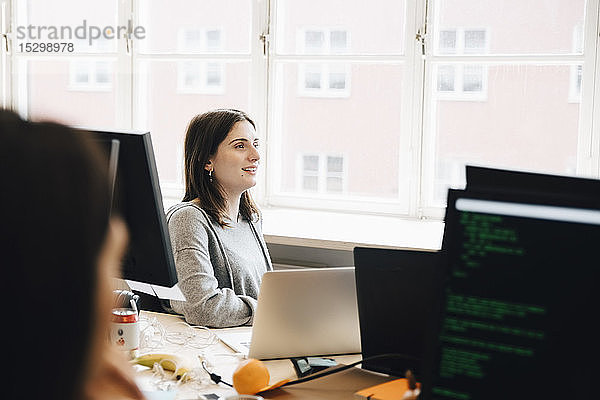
[{"x": 204, "y": 134}]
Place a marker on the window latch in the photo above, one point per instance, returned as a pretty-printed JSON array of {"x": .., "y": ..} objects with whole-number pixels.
[
  {"x": 6, "y": 46},
  {"x": 264, "y": 38},
  {"x": 3, "y": 23},
  {"x": 420, "y": 37}
]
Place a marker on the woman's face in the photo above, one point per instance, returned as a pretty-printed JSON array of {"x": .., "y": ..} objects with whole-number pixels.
[{"x": 235, "y": 163}]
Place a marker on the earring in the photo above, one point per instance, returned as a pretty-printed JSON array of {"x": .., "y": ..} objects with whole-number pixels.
[{"x": 210, "y": 178}]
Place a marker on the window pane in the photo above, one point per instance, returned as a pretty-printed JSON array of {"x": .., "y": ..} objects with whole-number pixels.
[
  {"x": 335, "y": 164},
  {"x": 311, "y": 163},
  {"x": 312, "y": 75},
  {"x": 330, "y": 126},
  {"x": 82, "y": 71},
  {"x": 190, "y": 40},
  {"x": 514, "y": 26},
  {"x": 103, "y": 72},
  {"x": 346, "y": 22},
  {"x": 310, "y": 183},
  {"x": 473, "y": 78},
  {"x": 335, "y": 184},
  {"x": 447, "y": 43},
  {"x": 226, "y": 25},
  {"x": 338, "y": 40},
  {"x": 526, "y": 121},
  {"x": 314, "y": 41},
  {"x": 49, "y": 80},
  {"x": 445, "y": 82},
  {"x": 165, "y": 108},
  {"x": 475, "y": 41},
  {"x": 192, "y": 74},
  {"x": 337, "y": 80},
  {"x": 213, "y": 74},
  {"x": 213, "y": 40}
]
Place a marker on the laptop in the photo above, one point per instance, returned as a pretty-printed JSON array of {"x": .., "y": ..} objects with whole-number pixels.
[
  {"x": 397, "y": 291},
  {"x": 302, "y": 312}
]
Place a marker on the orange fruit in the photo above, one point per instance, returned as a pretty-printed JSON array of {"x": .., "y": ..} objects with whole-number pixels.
[{"x": 250, "y": 377}]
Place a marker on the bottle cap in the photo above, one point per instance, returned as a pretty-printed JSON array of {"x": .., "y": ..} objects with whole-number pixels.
[{"x": 124, "y": 315}]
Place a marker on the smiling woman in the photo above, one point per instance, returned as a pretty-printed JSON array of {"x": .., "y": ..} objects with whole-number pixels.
[{"x": 216, "y": 234}]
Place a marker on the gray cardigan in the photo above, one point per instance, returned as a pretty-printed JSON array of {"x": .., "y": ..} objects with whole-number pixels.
[{"x": 219, "y": 269}]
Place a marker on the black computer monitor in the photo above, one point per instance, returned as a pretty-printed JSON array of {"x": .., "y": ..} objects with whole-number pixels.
[
  {"x": 397, "y": 291},
  {"x": 110, "y": 149},
  {"x": 138, "y": 200},
  {"x": 485, "y": 179},
  {"x": 520, "y": 300}
]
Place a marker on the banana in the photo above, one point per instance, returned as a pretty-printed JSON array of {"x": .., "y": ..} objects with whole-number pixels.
[{"x": 169, "y": 362}]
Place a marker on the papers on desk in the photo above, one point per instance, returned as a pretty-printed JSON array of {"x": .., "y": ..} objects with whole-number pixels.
[
  {"x": 162, "y": 292},
  {"x": 237, "y": 340}
]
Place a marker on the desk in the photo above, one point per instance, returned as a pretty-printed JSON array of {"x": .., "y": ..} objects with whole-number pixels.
[{"x": 223, "y": 362}]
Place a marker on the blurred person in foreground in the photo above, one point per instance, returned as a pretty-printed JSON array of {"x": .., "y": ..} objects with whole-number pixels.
[{"x": 60, "y": 250}]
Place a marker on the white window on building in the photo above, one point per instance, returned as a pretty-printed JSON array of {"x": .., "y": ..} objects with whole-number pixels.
[
  {"x": 322, "y": 173},
  {"x": 205, "y": 77},
  {"x": 462, "y": 81},
  {"x": 194, "y": 76},
  {"x": 199, "y": 40},
  {"x": 90, "y": 75},
  {"x": 323, "y": 79},
  {"x": 323, "y": 41}
]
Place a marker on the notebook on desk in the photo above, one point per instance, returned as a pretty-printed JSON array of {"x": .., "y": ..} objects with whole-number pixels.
[{"x": 303, "y": 312}]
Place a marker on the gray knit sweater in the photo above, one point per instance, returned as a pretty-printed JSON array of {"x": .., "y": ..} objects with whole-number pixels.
[{"x": 219, "y": 269}]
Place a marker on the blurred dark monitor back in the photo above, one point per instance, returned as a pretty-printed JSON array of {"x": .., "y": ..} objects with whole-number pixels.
[
  {"x": 396, "y": 293},
  {"x": 484, "y": 179},
  {"x": 138, "y": 200}
]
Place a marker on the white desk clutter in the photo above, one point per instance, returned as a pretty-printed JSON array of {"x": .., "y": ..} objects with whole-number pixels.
[{"x": 176, "y": 360}]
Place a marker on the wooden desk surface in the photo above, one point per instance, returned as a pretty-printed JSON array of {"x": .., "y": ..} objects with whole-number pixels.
[{"x": 222, "y": 361}]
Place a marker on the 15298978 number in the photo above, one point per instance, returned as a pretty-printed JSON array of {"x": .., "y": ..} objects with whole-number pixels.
[{"x": 58, "y": 47}]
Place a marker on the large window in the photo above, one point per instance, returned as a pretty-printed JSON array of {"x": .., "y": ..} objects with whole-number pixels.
[
  {"x": 519, "y": 68},
  {"x": 356, "y": 115}
]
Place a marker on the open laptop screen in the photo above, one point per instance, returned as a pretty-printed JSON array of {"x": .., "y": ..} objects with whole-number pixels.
[
  {"x": 520, "y": 300},
  {"x": 396, "y": 290}
]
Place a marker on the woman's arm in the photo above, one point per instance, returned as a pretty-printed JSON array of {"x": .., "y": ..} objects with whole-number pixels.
[{"x": 206, "y": 303}]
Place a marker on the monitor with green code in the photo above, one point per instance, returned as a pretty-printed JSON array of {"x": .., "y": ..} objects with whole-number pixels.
[{"x": 520, "y": 303}]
